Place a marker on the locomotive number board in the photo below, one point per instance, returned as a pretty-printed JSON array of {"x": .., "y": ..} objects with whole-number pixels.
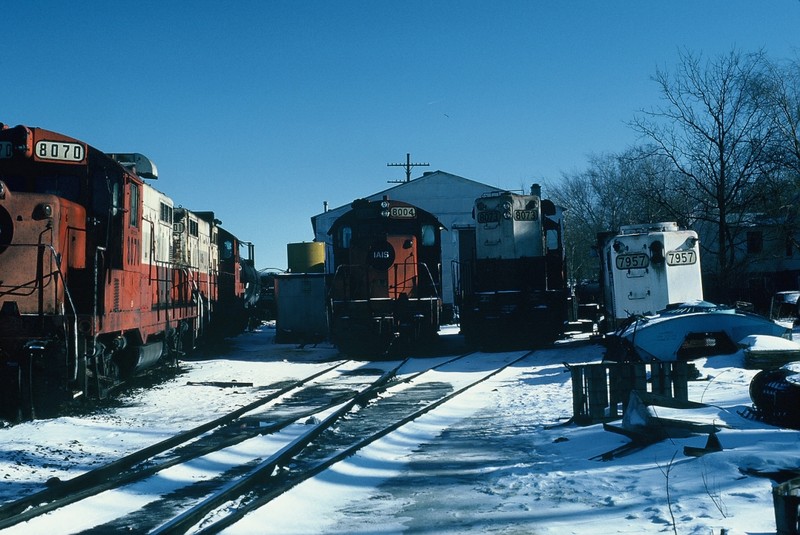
[
  {"x": 525, "y": 215},
  {"x": 61, "y": 151},
  {"x": 402, "y": 212},
  {"x": 681, "y": 258},
  {"x": 632, "y": 261},
  {"x": 5, "y": 149},
  {"x": 489, "y": 216}
]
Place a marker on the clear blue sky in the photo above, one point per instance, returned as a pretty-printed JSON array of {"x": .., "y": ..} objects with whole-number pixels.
[{"x": 261, "y": 110}]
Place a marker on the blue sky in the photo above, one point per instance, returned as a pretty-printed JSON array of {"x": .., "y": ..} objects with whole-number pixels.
[{"x": 261, "y": 110}]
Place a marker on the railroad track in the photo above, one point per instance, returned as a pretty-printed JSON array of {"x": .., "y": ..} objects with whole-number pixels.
[
  {"x": 131, "y": 467},
  {"x": 283, "y": 453}
]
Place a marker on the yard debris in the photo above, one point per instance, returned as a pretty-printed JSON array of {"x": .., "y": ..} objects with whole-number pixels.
[
  {"x": 712, "y": 445},
  {"x": 764, "y": 352},
  {"x": 219, "y": 384},
  {"x": 601, "y": 391},
  {"x": 776, "y": 396},
  {"x": 651, "y": 418},
  {"x": 695, "y": 329},
  {"x": 652, "y": 414}
]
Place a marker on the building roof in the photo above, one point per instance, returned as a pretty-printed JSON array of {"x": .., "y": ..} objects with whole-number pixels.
[{"x": 430, "y": 179}]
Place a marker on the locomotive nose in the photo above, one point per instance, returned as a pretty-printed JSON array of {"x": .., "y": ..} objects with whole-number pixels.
[
  {"x": 381, "y": 255},
  {"x": 6, "y": 229}
]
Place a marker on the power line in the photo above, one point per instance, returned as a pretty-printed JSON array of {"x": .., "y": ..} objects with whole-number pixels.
[{"x": 408, "y": 165}]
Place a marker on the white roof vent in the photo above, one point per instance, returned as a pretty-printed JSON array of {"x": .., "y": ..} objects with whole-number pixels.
[{"x": 141, "y": 164}]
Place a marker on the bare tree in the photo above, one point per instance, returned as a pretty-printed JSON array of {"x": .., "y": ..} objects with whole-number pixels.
[
  {"x": 782, "y": 89},
  {"x": 715, "y": 129},
  {"x": 614, "y": 190},
  {"x": 658, "y": 186},
  {"x": 595, "y": 202},
  {"x": 783, "y": 93}
]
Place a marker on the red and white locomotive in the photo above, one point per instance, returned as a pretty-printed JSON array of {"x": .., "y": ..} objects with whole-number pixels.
[
  {"x": 101, "y": 275},
  {"x": 514, "y": 290},
  {"x": 385, "y": 293}
]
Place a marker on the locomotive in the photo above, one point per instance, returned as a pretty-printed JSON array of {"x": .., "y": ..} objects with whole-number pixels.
[
  {"x": 513, "y": 291},
  {"x": 385, "y": 291},
  {"x": 646, "y": 267},
  {"x": 101, "y": 275}
]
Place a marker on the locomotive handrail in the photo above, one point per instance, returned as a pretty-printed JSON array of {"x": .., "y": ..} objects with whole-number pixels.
[
  {"x": 67, "y": 293},
  {"x": 462, "y": 274},
  {"x": 340, "y": 273},
  {"x": 152, "y": 250},
  {"x": 98, "y": 252},
  {"x": 57, "y": 258},
  {"x": 14, "y": 290},
  {"x": 433, "y": 281},
  {"x": 343, "y": 270},
  {"x": 405, "y": 279}
]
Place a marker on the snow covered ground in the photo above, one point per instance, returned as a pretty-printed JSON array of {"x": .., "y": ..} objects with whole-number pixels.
[{"x": 499, "y": 458}]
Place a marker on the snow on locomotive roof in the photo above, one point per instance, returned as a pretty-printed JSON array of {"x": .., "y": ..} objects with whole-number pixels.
[{"x": 644, "y": 228}]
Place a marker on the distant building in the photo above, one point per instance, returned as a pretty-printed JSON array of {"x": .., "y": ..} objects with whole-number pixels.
[
  {"x": 765, "y": 259},
  {"x": 449, "y": 197}
]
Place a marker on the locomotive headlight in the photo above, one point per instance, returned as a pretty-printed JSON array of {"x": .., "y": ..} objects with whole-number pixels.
[
  {"x": 43, "y": 211},
  {"x": 657, "y": 252},
  {"x": 384, "y": 204},
  {"x": 385, "y": 213}
]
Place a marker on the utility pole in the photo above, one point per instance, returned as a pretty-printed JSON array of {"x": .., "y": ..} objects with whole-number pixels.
[{"x": 408, "y": 165}]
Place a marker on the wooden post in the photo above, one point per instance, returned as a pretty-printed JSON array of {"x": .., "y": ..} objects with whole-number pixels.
[
  {"x": 680, "y": 380},
  {"x": 598, "y": 392},
  {"x": 578, "y": 397}
]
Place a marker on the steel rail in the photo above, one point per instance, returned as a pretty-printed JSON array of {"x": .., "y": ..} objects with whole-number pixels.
[
  {"x": 268, "y": 489},
  {"x": 124, "y": 471},
  {"x": 239, "y": 486},
  {"x": 104, "y": 477}
]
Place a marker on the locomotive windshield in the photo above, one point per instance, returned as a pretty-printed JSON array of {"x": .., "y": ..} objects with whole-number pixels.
[
  {"x": 428, "y": 235},
  {"x": 226, "y": 251},
  {"x": 345, "y": 235},
  {"x": 64, "y": 185}
]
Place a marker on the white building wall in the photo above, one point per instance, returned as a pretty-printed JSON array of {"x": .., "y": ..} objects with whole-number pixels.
[{"x": 449, "y": 197}]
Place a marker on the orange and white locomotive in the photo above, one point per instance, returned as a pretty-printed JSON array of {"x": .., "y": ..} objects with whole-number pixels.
[
  {"x": 99, "y": 278},
  {"x": 385, "y": 294}
]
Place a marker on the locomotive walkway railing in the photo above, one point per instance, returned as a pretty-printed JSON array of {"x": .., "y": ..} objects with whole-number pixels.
[{"x": 354, "y": 282}]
